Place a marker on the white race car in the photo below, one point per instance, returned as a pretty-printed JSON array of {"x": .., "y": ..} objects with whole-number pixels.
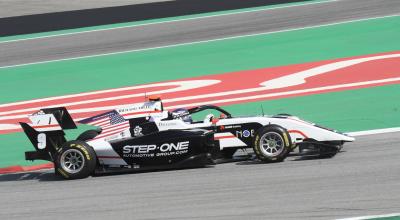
[
  {"x": 145, "y": 136},
  {"x": 271, "y": 137}
]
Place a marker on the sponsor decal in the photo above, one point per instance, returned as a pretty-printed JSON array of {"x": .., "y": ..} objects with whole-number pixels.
[
  {"x": 245, "y": 133},
  {"x": 140, "y": 108},
  {"x": 166, "y": 124},
  {"x": 232, "y": 126},
  {"x": 134, "y": 108},
  {"x": 286, "y": 139},
  {"x": 113, "y": 137},
  {"x": 41, "y": 139},
  {"x": 85, "y": 152},
  {"x": 166, "y": 149},
  {"x": 257, "y": 139},
  {"x": 137, "y": 131},
  {"x": 120, "y": 134},
  {"x": 123, "y": 134}
]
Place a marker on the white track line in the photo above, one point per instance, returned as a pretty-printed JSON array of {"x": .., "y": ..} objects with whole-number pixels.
[
  {"x": 171, "y": 21},
  {"x": 375, "y": 131},
  {"x": 263, "y": 96},
  {"x": 181, "y": 85},
  {"x": 227, "y": 100},
  {"x": 372, "y": 217},
  {"x": 280, "y": 82},
  {"x": 203, "y": 41}
]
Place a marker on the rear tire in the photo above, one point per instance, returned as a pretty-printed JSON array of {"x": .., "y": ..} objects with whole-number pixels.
[
  {"x": 272, "y": 144},
  {"x": 75, "y": 160}
]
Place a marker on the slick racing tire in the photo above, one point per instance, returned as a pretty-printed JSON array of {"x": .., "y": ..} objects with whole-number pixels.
[
  {"x": 75, "y": 160},
  {"x": 272, "y": 143}
]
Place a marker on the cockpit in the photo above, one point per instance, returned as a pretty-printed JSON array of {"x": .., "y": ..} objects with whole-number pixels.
[{"x": 186, "y": 114}]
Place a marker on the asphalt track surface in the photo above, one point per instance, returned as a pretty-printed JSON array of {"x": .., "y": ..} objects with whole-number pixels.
[
  {"x": 364, "y": 179},
  {"x": 186, "y": 31},
  {"x": 9, "y": 8}
]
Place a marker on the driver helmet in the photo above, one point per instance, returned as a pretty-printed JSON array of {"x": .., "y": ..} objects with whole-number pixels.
[
  {"x": 208, "y": 118},
  {"x": 183, "y": 114}
]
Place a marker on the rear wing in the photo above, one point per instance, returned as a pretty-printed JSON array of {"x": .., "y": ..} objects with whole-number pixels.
[
  {"x": 53, "y": 119},
  {"x": 46, "y": 132}
]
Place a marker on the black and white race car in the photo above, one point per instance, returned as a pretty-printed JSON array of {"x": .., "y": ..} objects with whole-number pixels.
[
  {"x": 267, "y": 135},
  {"x": 145, "y": 136},
  {"x": 113, "y": 151}
]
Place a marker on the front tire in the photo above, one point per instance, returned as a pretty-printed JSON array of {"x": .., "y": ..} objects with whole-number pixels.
[
  {"x": 272, "y": 143},
  {"x": 75, "y": 160}
]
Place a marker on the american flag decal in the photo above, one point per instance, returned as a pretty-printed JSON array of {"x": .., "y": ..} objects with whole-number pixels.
[{"x": 111, "y": 123}]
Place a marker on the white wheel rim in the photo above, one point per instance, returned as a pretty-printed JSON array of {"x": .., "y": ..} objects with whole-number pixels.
[
  {"x": 72, "y": 161},
  {"x": 271, "y": 144}
]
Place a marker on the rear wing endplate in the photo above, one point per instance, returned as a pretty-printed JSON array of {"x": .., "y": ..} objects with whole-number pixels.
[{"x": 52, "y": 119}]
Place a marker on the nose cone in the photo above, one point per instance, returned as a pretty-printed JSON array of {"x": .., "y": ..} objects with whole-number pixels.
[
  {"x": 334, "y": 135},
  {"x": 348, "y": 138}
]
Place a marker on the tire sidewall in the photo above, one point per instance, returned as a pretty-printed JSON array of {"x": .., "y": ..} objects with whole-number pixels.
[
  {"x": 285, "y": 137},
  {"x": 89, "y": 157}
]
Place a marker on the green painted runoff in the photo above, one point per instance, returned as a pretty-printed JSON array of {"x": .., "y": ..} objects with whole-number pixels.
[{"x": 112, "y": 71}]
